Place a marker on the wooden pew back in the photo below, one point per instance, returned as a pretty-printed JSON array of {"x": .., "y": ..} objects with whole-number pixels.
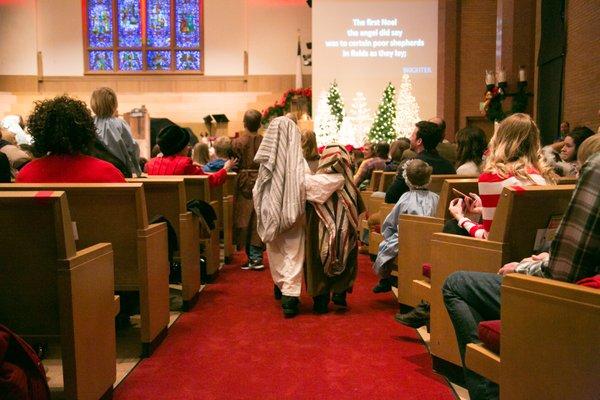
[
  {"x": 386, "y": 180},
  {"x": 39, "y": 235},
  {"x": 522, "y": 211},
  {"x": 164, "y": 196},
  {"x": 118, "y": 208},
  {"x": 414, "y": 234},
  {"x": 49, "y": 289},
  {"x": 375, "y": 179},
  {"x": 551, "y": 324}
]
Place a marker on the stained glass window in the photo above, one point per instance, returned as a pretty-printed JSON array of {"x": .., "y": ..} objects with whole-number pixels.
[
  {"x": 187, "y": 60},
  {"x": 101, "y": 61},
  {"x": 159, "y": 60},
  {"x": 133, "y": 36},
  {"x": 100, "y": 23},
  {"x": 159, "y": 23},
  {"x": 187, "y": 18},
  {"x": 131, "y": 61},
  {"x": 130, "y": 23}
]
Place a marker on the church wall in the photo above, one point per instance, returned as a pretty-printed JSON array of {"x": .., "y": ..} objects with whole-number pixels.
[
  {"x": 581, "y": 99},
  {"x": 266, "y": 29},
  {"x": 18, "y": 38},
  {"x": 477, "y": 52}
]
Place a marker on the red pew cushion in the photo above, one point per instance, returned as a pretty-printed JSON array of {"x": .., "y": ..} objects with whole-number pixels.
[{"x": 489, "y": 334}]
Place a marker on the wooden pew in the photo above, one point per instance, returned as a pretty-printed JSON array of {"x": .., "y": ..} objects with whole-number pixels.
[
  {"x": 116, "y": 213},
  {"x": 165, "y": 195},
  {"x": 415, "y": 233},
  {"x": 197, "y": 187},
  {"x": 373, "y": 185},
  {"x": 549, "y": 341},
  {"x": 228, "y": 203},
  {"x": 386, "y": 180},
  {"x": 519, "y": 214},
  {"x": 375, "y": 238},
  {"x": 49, "y": 289}
]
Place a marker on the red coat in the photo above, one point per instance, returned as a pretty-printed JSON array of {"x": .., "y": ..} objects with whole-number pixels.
[
  {"x": 181, "y": 165},
  {"x": 69, "y": 168}
]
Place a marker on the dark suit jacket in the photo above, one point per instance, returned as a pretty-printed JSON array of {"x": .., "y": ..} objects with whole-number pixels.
[{"x": 440, "y": 166}]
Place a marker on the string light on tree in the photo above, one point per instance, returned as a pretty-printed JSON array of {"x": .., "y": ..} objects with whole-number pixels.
[
  {"x": 407, "y": 114},
  {"x": 326, "y": 128},
  {"x": 361, "y": 117},
  {"x": 383, "y": 129}
]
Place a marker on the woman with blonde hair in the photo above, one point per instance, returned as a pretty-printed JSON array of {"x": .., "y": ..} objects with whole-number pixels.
[
  {"x": 200, "y": 154},
  {"x": 113, "y": 132},
  {"x": 515, "y": 159},
  {"x": 309, "y": 149}
]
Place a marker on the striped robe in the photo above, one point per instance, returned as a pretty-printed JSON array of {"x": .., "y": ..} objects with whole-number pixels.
[
  {"x": 332, "y": 238},
  {"x": 279, "y": 194}
]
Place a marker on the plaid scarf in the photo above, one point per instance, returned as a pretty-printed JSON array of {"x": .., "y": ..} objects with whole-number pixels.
[{"x": 338, "y": 216}]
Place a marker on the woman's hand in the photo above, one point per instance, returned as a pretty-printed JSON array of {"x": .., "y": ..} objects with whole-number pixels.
[
  {"x": 456, "y": 208},
  {"x": 473, "y": 204},
  {"x": 229, "y": 164}
]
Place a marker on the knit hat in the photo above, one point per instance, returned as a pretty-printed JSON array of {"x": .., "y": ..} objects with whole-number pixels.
[
  {"x": 417, "y": 174},
  {"x": 172, "y": 140}
]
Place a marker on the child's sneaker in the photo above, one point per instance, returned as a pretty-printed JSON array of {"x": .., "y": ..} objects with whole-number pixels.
[{"x": 256, "y": 264}]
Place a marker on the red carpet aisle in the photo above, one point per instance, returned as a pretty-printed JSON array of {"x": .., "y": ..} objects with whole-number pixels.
[{"x": 235, "y": 344}]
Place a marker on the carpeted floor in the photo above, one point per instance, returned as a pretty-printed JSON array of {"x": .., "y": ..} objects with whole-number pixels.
[{"x": 235, "y": 344}]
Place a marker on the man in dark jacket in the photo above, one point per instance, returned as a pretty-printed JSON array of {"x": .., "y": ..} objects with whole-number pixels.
[{"x": 424, "y": 139}]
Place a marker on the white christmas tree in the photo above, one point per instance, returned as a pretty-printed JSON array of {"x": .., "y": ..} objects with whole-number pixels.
[
  {"x": 326, "y": 124},
  {"x": 361, "y": 118},
  {"x": 347, "y": 133},
  {"x": 407, "y": 109}
]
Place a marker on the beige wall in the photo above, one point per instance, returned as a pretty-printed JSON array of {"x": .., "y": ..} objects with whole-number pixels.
[
  {"x": 266, "y": 29},
  {"x": 18, "y": 38}
]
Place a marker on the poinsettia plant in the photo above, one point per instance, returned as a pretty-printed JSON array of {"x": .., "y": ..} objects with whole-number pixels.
[{"x": 284, "y": 104}]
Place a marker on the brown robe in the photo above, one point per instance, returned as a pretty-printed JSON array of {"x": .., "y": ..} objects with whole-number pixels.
[{"x": 244, "y": 216}]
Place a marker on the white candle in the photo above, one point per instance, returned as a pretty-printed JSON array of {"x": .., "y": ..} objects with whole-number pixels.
[
  {"x": 501, "y": 75},
  {"x": 489, "y": 77},
  {"x": 522, "y": 75}
]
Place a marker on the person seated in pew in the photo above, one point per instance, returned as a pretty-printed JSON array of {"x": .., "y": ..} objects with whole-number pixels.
[
  {"x": 63, "y": 134},
  {"x": 223, "y": 151},
  {"x": 471, "y": 146},
  {"x": 445, "y": 149},
  {"x": 472, "y": 297},
  {"x": 5, "y": 175},
  {"x": 200, "y": 153},
  {"x": 418, "y": 201},
  {"x": 397, "y": 149},
  {"x": 113, "y": 132},
  {"x": 514, "y": 159},
  {"x": 424, "y": 139},
  {"x": 565, "y": 161},
  {"x": 174, "y": 145},
  {"x": 370, "y": 164}
]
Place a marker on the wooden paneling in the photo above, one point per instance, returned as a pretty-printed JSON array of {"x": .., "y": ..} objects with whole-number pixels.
[{"x": 150, "y": 83}]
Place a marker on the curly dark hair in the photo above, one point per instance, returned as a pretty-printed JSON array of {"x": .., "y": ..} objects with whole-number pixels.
[{"x": 61, "y": 125}]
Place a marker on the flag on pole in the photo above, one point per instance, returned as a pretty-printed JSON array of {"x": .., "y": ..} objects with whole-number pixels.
[{"x": 298, "y": 84}]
